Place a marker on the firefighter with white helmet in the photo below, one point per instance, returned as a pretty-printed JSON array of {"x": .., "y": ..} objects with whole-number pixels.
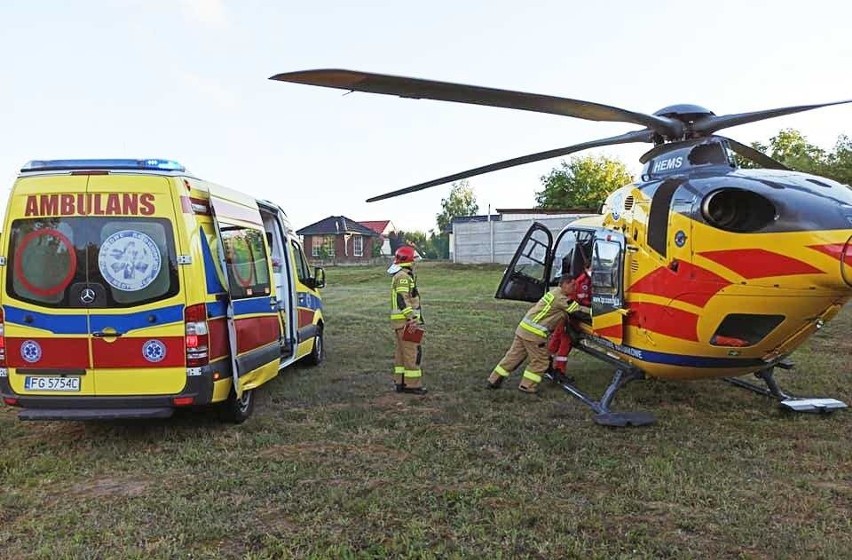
[{"x": 407, "y": 322}]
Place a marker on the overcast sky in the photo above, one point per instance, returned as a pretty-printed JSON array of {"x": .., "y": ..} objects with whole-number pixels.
[{"x": 188, "y": 80}]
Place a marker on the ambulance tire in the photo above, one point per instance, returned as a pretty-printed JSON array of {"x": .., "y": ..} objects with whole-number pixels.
[
  {"x": 237, "y": 411},
  {"x": 317, "y": 355}
]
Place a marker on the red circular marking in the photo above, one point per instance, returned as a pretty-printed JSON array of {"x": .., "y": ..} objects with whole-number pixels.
[{"x": 19, "y": 262}]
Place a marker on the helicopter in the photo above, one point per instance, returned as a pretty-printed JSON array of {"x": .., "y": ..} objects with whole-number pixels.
[{"x": 701, "y": 269}]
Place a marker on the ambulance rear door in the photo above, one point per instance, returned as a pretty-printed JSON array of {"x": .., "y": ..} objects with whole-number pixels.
[
  {"x": 134, "y": 285},
  {"x": 46, "y": 328}
]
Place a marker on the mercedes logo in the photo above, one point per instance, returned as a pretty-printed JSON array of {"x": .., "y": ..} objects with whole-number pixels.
[{"x": 87, "y": 296}]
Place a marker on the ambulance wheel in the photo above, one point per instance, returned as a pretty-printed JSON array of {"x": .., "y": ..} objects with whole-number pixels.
[
  {"x": 239, "y": 410},
  {"x": 317, "y": 355}
]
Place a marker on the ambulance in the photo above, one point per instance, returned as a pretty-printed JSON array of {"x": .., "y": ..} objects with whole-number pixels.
[{"x": 131, "y": 288}]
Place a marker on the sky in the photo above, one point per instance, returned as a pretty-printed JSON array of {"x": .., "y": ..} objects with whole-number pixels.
[{"x": 188, "y": 80}]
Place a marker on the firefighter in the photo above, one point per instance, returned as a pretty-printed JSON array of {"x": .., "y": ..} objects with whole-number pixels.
[
  {"x": 405, "y": 313},
  {"x": 531, "y": 337},
  {"x": 561, "y": 341}
]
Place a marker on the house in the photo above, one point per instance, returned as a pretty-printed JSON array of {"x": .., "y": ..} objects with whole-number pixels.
[
  {"x": 339, "y": 240},
  {"x": 386, "y": 231}
]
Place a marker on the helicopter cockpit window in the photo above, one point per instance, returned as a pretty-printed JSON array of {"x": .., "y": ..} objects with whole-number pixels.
[
  {"x": 531, "y": 262},
  {"x": 705, "y": 154},
  {"x": 573, "y": 251},
  {"x": 606, "y": 268}
]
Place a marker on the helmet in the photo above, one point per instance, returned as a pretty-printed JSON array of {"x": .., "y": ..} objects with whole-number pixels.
[{"x": 404, "y": 255}]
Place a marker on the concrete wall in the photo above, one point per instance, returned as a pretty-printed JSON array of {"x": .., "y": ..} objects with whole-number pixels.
[{"x": 471, "y": 242}]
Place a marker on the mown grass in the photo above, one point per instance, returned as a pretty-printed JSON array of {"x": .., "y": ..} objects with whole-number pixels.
[{"x": 335, "y": 465}]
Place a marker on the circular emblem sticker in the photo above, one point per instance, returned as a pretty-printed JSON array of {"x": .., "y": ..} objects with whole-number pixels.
[
  {"x": 680, "y": 238},
  {"x": 129, "y": 260},
  {"x": 154, "y": 351},
  {"x": 30, "y": 351}
]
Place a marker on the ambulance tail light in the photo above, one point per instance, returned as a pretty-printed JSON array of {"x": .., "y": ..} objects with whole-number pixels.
[
  {"x": 197, "y": 337},
  {"x": 2, "y": 340}
]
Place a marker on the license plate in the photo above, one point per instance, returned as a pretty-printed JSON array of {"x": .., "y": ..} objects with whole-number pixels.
[{"x": 52, "y": 383}]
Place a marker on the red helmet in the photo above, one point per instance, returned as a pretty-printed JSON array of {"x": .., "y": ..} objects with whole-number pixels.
[{"x": 404, "y": 255}]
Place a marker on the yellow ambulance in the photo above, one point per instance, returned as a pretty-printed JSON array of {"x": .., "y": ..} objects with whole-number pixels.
[{"x": 131, "y": 288}]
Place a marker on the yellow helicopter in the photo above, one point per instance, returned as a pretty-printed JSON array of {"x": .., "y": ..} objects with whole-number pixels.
[{"x": 701, "y": 269}]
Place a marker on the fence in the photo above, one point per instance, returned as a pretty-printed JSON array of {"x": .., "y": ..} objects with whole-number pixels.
[{"x": 497, "y": 241}]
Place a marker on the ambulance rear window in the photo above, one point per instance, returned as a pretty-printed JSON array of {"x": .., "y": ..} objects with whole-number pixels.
[{"x": 91, "y": 262}]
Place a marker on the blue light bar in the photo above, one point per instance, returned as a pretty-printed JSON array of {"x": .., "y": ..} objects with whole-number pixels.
[{"x": 131, "y": 164}]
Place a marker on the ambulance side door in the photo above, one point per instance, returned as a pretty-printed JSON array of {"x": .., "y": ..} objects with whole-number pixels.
[{"x": 254, "y": 324}]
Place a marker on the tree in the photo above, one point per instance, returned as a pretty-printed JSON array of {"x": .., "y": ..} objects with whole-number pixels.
[
  {"x": 461, "y": 202},
  {"x": 792, "y": 148},
  {"x": 582, "y": 182}
]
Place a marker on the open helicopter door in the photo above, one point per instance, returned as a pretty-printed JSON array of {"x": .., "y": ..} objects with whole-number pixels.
[
  {"x": 608, "y": 285},
  {"x": 526, "y": 277}
]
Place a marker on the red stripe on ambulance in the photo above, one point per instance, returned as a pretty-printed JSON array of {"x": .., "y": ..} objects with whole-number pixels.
[
  {"x": 130, "y": 352},
  {"x": 254, "y": 332},
  {"x": 53, "y": 352}
]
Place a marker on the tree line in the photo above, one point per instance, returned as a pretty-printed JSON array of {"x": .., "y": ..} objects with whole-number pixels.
[{"x": 583, "y": 183}]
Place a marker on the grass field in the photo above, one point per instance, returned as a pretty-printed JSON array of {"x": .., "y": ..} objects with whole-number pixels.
[{"x": 335, "y": 465}]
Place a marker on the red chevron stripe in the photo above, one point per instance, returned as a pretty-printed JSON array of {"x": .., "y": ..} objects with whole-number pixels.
[
  {"x": 664, "y": 320},
  {"x": 834, "y": 250},
  {"x": 759, "y": 263},
  {"x": 613, "y": 331},
  {"x": 688, "y": 283}
]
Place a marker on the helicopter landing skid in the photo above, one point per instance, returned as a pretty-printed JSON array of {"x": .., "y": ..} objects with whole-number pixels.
[
  {"x": 604, "y": 416},
  {"x": 785, "y": 400}
]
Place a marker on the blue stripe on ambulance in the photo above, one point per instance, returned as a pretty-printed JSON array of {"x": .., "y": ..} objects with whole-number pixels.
[
  {"x": 309, "y": 301},
  {"x": 214, "y": 286},
  {"x": 76, "y": 324}
]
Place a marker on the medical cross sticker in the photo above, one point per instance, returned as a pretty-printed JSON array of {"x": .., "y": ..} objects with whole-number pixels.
[
  {"x": 154, "y": 351},
  {"x": 31, "y": 351}
]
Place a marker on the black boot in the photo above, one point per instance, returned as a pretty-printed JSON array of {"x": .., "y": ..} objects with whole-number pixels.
[{"x": 415, "y": 390}]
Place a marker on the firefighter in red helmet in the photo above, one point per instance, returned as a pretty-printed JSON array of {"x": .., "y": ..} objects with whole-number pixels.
[{"x": 405, "y": 320}]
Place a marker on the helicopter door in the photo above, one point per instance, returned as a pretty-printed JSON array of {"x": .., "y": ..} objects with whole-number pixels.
[
  {"x": 607, "y": 285},
  {"x": 526, "y": 277}
]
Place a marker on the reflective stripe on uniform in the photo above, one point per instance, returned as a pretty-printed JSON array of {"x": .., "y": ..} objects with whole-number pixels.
[
  {"x": 534, "y": 377},
  {"x": 548, "y": 301},
  {"x": 412, "y": 373},
  {"x": 533, "y": 327},
  {"x": 399, "y": 370},
  {"x": 501, "y": 372},
  {"x": 573, "y": 306}
]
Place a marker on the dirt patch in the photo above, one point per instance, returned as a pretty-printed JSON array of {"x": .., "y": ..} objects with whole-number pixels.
[{"x": 107, "y": 486}]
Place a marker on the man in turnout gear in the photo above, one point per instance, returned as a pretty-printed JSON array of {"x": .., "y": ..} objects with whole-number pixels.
[
  {"x": 405, "y": 313},
  {"x": 532, "y": 334}
]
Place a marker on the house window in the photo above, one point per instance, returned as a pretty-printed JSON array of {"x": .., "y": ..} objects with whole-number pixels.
[
  {"x": 322, "y": 246},
  {"x": 358, "y": 245}
]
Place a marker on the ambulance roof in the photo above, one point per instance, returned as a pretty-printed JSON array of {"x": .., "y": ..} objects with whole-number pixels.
[{"x": 123, "y": 164}]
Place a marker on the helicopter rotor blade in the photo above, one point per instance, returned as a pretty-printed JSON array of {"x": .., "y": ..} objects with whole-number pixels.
[
  {"x": 446, "y": 91},
  {"x": 635, "y": 136},
  {"x": 755, "y": 155},
  {"x": 712, "y": 124}
]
